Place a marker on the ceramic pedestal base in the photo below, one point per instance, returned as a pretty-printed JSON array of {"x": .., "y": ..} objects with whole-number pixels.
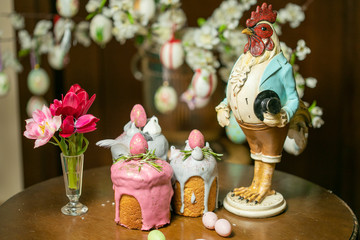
[{"x": 270, "y": 206}]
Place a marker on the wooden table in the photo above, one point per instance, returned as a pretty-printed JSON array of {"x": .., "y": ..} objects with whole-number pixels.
[{"x": 312, "y": 213}]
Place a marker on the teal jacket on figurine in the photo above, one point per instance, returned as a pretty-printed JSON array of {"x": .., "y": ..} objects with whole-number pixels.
[{"x": 278, "y": 77}]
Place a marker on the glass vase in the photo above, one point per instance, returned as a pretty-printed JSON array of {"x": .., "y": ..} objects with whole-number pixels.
[{"x": 72, "y": 167}]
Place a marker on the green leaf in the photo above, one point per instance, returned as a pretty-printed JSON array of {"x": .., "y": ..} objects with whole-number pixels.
[
  {"x": 222, "y": 28},
  {"x": 24, "y": 52},
  {"x": 64, "y": 146},
  {"x": 139, "y": 39},
  {"x": 85, "y": 147},
  {"x": 91, "y": 15},
  {"x": 312, "y": 106},
  {"x": 292, "y": 59},
  {"x": 201, "y": 21},
  {"x": 130, "y": 17}
]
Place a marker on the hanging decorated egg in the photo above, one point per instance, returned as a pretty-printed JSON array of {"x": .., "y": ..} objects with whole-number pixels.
[
  {"x": 165, "y": 99},
  {"x": 100, "y": 29},
  {"x": 146, "y": 8},
  {"x": 172, "y": 54},
  {"x": 4, "y": 84},
  {"x": 204, "y": 83},
  {"x": 67, "y": 8},
  {"x": 34, "y": 103},
  {"x": 57, "y": 58},
  {"x": 234, "y": 132},
  {"x": 38, "y": 81}
]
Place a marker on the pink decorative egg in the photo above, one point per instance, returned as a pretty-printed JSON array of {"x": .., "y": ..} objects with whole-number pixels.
[
  {"x": 209, "y": 219},
  {"x": 138, "y": 144},
  {"x": 196, "y": 139},
  {"x": 138, "y": 115},
  {"x": 223, "y": 227},
  {"x": 172, "y": 54}
]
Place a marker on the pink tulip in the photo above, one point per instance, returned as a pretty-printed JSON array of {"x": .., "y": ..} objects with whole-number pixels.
[
  {"x": 67, "y": 127},
  {"x": 42, "y": 126},
  {"x": 86, "y": 123}
]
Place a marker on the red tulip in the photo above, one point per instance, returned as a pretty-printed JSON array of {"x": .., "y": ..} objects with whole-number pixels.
[
  {"x": 67, "y": 127},
  {"x": 76, "y": 103}
]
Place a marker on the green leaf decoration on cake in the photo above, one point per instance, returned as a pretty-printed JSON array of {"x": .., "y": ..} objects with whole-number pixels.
[
  {"x": 148, "y": 158},
  {"x": 206, "y": 151}
]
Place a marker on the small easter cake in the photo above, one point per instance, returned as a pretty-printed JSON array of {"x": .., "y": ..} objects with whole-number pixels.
[
  {"x": 195, "y": 177},
  {"x": 139, "y": 123},
  {"x": 142, "y": 185}
]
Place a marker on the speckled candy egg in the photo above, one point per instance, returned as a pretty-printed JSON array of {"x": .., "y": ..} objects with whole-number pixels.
[
  {"x": 138, "y": 115},
  {"x": 172, "y": 54},
  {"x": 165, "y": 99},
  {"x": 156, "y": 235},
  {"x": 34, "y": 103},
  {"x": 138, "y": 144},
  {"x": 196, "y": 139},
  {"x": 209, "y": 219},
  {"x": 67, "y": 8},
  {"x": 4, "y": 84},
  {"x": 234, "y": 132},
  {"x": 38, "y": 81},
  {"x": 223, "y": 227},
  {"x": 100, "y": 29}
]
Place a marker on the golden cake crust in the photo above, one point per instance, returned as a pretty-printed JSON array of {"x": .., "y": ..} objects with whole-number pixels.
[
  {"x": 194, "y": 185},
  {"x": 130, "y": 212}
]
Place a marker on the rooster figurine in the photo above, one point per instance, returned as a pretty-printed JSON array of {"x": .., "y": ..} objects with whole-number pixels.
[{"x": 261, "y": 93}]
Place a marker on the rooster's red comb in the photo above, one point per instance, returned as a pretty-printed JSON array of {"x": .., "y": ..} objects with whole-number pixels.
[{"x": 265, "y": 13}]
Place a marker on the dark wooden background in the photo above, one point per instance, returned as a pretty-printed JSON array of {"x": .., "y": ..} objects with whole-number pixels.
[{"x": 331, "y": 29}]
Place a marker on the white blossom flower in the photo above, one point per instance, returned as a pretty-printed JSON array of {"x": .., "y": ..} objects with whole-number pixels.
[
  {"x": 316, "y": 111},
  {"x": 123, "y": 28},
  {"x": 175, "y": 17},
  {"x": 236, "y": 40},
  {"x": 300, "y": 84},
  {"x": 317, "y": 122},
  {"x": 302, "y": 50},
  {"x": 169, "y": 2},
  {"x": 311, "y": 82},
  {"x": 82, "y": 33},
  {"x": 124, "y": 5},
  {"x": 201, "y": 58},
  {"x": 60, "y": 26},
  {"x": 92, "y": 5},
  {"x": 42, "y": 27},
  {"x": 206, "y": 37},
  {"x": 286, "y": 50},
  {"x": 246, "y": 4},
  {"x": 10, "y": 61},
  {"x": 278, "y": 29},
  {"x": 46, "y": 43},
  {"x": 292, "y": 13},
  {"x": 25, "y": 39},
  {"x": 17, "y": 21}
]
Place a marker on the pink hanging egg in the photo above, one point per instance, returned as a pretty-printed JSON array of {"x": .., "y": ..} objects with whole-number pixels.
[
  {"x": 138, "y": 115},
  {"x": 196, "y": 139},
  {"x": 172, "y": 54},
  {"x": 138, "y": 144}
]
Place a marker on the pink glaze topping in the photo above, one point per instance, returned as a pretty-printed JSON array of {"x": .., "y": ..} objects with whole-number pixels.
[
  {"x": 196, "y": 139},
  {"x": 152, "y": 189},
  {"x": 138, "y": 115},
  {"x": 138, "y": 144}
]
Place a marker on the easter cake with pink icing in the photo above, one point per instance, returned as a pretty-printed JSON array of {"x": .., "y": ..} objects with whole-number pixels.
[
  {"x": 196, "y": 183},
  {"x": 143, "y": 189}
]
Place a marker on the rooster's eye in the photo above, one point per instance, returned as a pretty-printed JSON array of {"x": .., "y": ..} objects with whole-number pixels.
[{"x": 263, "y": 28}]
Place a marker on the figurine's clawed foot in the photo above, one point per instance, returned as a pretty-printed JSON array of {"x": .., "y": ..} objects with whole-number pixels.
[{"x": 252, "y": 194}]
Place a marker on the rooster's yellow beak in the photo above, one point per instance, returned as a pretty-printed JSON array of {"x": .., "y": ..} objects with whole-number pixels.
[{"x": 248, "y": 31}]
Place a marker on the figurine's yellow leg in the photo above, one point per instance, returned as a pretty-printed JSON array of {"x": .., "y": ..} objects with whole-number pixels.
[{"x": 261, "y": 184}]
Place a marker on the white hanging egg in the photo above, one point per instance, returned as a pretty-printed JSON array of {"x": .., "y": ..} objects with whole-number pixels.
[
  {"x": 172, "y": 54},
  {"x": 165, "y": 99},
  {"x": 38, "y": 81},
  {"x": 57, "y": 58},
  {"x": 100, "y": 29},
  {"x": 35, "y": 102},
  {"x": 67, "y": 8},
  {"x": 146, "y": 8},
  {"x": 204, "y": 83},
  {"x": 4, "y": 84}
]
